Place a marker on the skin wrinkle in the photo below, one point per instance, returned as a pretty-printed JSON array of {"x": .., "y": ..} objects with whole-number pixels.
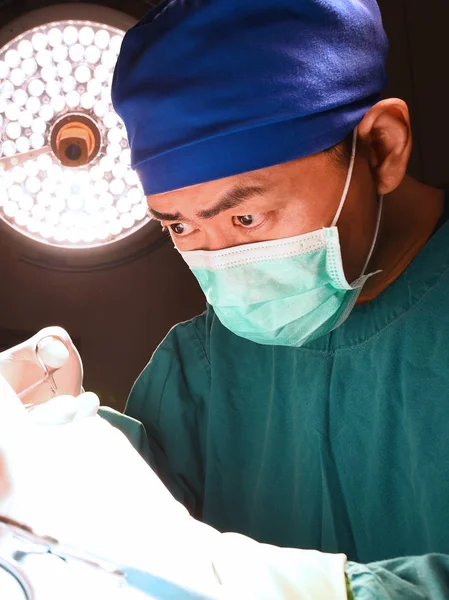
[
  {"x": 232, "y": 199},
  {"x": 303, "y": 196}
]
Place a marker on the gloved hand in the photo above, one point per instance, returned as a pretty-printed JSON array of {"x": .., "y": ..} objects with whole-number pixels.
[
  {"x": 20, "y": 366},
  {"x": 83, "y": 483}
]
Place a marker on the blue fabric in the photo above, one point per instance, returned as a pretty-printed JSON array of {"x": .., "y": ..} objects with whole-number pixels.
[
  {"x": 212, "y": 89},
  {"x": 159, "y": 589}
]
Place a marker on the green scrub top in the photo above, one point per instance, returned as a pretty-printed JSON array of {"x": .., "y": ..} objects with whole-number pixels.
[{"x": 340, "y": 446}]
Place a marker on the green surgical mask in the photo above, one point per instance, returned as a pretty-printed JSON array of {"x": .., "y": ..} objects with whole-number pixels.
[{"x": 282, "y": 292}]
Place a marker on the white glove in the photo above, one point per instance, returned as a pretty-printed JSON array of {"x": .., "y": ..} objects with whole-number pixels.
[
  {"x": 21, "y": 369},
  {"x": 83, "y": 483}
]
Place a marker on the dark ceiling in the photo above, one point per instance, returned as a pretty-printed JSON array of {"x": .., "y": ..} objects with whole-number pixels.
[{"x": 11, "y": 9}]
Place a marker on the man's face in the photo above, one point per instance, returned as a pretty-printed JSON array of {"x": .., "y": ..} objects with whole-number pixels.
[
  {"x": 272, "y": 203},
  {"x": 299, "y": 196}
]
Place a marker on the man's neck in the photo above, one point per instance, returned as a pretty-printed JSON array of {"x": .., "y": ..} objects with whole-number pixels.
[{"x": 410, "y": 215}]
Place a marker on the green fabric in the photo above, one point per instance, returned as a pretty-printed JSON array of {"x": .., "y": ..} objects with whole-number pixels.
[
  {"x": 410, "y": 578},
  {"x": 341, "y": 445},
  {"x": 133, "y": 429}
]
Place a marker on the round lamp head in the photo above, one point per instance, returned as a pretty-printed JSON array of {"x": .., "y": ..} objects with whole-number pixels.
[{"x": 65, "y": 174}]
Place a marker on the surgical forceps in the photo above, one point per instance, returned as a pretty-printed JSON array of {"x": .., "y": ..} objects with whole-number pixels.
[
  {"x": 48, "y": 372},
  {"x": 28, "y": 543}
]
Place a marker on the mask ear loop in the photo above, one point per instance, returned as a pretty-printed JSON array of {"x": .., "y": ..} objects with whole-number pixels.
[
  {"x": 348, "y": 178},
  {"x": 343, "y": 200},
  {"x": 376, "y": 234}
]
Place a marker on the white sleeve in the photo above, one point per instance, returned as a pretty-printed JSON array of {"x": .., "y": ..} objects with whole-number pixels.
[{"x": 247, "y": 569}]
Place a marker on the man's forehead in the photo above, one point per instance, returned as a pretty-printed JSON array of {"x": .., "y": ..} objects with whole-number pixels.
[
  {"x": 173, "y": 195},
  {"x": 209, "y": 189}
]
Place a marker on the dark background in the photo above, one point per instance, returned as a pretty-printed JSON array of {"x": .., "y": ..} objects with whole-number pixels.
[{"x": 119, "y": 312}]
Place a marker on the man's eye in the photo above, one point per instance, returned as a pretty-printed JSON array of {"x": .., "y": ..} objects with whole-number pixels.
[
  {"x": 178, "y": 228},
  {"x": 249, "y": 221},
  {"x": 181, "y": 228}
]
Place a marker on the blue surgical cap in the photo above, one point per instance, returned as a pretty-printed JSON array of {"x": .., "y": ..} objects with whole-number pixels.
[{"x": 213, "y": 88}]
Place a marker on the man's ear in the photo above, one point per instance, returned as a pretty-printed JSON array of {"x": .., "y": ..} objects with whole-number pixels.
[{"x": 386, "y": 134}]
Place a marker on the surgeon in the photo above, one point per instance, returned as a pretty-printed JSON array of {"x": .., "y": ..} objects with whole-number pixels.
[{"x": 308, "y": 406}]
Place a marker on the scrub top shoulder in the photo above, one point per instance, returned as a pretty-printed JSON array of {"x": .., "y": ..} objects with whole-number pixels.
[{"x": 340, "y": 445}]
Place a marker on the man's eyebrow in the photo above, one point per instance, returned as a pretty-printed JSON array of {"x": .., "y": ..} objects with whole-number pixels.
[
  {"x": 165, "y": 216},
  {"x": 236, "y": 196}
]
